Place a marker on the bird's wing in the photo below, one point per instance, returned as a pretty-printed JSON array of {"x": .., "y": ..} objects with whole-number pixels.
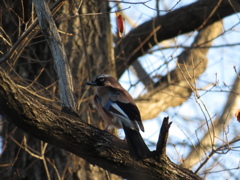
[
  {"x": 118, "y": 103},
  {"x": 107, "y": 117}
]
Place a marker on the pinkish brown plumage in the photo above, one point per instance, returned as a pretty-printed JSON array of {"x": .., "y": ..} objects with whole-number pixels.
[{"x": 114, "y": 103}]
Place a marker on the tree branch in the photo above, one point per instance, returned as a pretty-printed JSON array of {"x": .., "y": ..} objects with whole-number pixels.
[
  {"x": 163, "y": 136},
  {"x": 50, "y": 31},
  {"x": 219, "y": 124},
  {"x": 176, "y": 87},
  {"x": 27, "y": 36},
  {"x": 183, "y": 20},
  {"x": 70, "y": 133},
  {"x": 142, "y": 75}
]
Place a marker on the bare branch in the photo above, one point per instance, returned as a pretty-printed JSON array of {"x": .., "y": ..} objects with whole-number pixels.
[
  {"x": 218, "y": 126},
  {"x": 136, "y": 67},
  {"x": 26, "y": 37},
  {"x": 220, "y": 148},
  {"x": 50, "y": 31},
  {"x": 163, "y": 136},
  {"x": 176, "y": 87},
  {"x": 68, "y": 132},
  {"x": 179, "y": 21}
]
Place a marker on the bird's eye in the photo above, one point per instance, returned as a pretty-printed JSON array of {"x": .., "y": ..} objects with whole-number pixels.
[{"x": 101, "y": 80}]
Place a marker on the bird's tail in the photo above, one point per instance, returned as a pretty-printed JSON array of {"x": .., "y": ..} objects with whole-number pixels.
[{"x": 137, "y": 147}]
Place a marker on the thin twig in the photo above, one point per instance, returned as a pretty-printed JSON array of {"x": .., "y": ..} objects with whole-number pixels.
[
  {"x": 43, "y": 149},
  {"x": 224, "y": 146},
  {"x": 31, "y": 30}
]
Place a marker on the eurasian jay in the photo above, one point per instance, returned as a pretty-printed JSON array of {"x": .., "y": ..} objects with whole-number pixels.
[{"x": 114, "y": 103}]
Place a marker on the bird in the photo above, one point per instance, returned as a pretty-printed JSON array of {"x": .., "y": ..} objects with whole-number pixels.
[{"x": 115, "y": 104}]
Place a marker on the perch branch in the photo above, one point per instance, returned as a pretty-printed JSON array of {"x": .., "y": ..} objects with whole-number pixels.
[{"x": 96, "y": 146}]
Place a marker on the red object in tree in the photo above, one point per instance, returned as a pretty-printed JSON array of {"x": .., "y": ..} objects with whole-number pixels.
[
  {"x": 120, "y": 24},
  {"x": 237, "y": 114}
]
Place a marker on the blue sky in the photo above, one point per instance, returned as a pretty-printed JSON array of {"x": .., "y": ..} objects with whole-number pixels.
[{"x": 188, "y": 118}]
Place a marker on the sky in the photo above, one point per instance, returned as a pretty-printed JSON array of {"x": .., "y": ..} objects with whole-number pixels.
[{"x": 187, "y": 119}]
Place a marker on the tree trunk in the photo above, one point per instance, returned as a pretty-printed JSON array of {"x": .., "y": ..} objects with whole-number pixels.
[{"x": 90, "y": 38}]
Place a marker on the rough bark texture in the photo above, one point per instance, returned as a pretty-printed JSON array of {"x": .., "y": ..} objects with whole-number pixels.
[
  {"x": 89, "y": 49},
  {"x": 25, "y": 63},
  {"x": 50, "y": 32},
  {"x": 89, "y": 43},
  {"x": 96, "y": 146}
]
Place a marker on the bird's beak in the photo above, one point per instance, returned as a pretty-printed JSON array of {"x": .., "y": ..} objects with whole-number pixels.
[{"x": 91, "y": 83}]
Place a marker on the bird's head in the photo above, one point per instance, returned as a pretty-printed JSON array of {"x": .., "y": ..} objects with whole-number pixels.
[{"x": 104, "y": 80}]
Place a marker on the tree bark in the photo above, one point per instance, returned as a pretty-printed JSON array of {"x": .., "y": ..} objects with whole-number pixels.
[
  {"x": 94, "y": 33},
  {"x": 50, "y": 31},
  {"x": 68, "y": 132}
]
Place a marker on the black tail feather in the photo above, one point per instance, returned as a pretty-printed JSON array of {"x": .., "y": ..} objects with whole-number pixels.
[{"x": 137, "y": 147}]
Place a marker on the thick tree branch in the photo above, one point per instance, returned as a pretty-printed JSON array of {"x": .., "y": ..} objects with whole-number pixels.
[
  {"x": 176, "y": 87},
  {"x": 142, "y": 75},
  {"x": 50, "y": 31},
  {"x": 193, "y": 17},
  {"x": 68, "y": 132}
]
